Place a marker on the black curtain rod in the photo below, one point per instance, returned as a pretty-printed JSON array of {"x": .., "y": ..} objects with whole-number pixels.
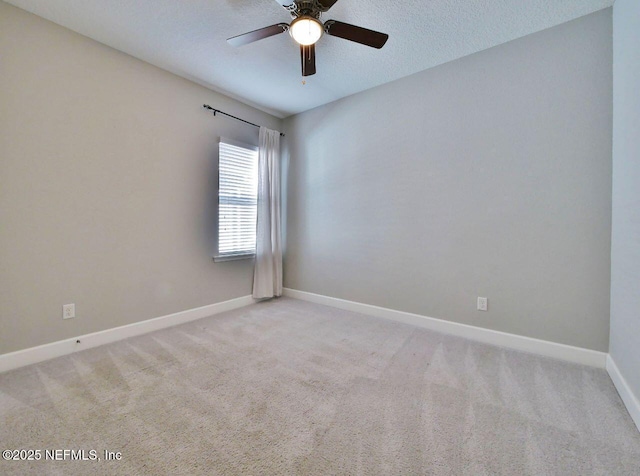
[{"x": 215, "y": 111}]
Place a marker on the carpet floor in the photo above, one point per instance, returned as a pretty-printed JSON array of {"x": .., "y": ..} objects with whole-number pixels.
[{"x": 290, "y": 387}]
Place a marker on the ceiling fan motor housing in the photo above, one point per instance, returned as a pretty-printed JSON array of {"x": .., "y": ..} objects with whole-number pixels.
[{"x": 307, "y": 8}]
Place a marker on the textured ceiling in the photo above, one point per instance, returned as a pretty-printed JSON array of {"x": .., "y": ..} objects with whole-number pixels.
[{"x": 187, "y": 37}]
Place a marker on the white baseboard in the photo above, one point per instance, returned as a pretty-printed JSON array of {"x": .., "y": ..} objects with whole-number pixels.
[
  {"x": 44, "y": 352},
  {"x": 527, "y": 344},
  {"x": 628, "y": 398}
]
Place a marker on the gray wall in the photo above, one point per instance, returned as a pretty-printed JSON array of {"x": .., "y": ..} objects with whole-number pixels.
[
  {"x": 107, "y": 186},
  {"x": 625, "y": 245},
  {"x": 487, "y": 176}
]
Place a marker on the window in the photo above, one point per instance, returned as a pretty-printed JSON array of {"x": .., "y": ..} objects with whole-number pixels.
[{"x": 237, "y": 200}]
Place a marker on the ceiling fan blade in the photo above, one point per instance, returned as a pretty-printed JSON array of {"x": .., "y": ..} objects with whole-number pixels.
[
  {"x": 325, "y": 4},
  {"x": 375, "y": 39},
  {"x": 256, "y": 35},
  {"x": 308, "y": 57}
]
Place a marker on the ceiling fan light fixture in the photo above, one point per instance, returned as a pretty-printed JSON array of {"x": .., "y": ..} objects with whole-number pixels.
[{"x": 306, "y": 30}]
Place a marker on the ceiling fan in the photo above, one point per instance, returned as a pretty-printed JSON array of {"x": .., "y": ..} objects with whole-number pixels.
[{"x": 306, "y": 29}]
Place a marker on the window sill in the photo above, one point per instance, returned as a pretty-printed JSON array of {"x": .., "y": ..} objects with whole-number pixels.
[{"x": 220, "y": 259}]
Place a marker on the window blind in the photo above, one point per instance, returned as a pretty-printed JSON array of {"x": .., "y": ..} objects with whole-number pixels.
[{"x": 237, "y": 200}]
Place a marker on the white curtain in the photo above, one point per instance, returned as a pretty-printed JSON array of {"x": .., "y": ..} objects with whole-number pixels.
[{"x": 267, "y": 275}]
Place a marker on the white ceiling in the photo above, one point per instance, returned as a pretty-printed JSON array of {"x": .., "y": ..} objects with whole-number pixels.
[{"x": 187, "y": 37}]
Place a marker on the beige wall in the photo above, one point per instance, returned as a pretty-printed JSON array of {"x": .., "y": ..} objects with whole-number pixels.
[
  {"x": 107, "y": 186},
  {"x": 487, "y": 176}
]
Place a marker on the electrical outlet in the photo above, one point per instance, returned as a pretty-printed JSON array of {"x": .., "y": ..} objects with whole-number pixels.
[
  {"x": 68, "y": 311},
  {"x": 483, "y": 303}
]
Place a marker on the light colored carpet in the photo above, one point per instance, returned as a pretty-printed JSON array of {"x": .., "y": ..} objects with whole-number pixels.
[{"x": 289, "y": 387}]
